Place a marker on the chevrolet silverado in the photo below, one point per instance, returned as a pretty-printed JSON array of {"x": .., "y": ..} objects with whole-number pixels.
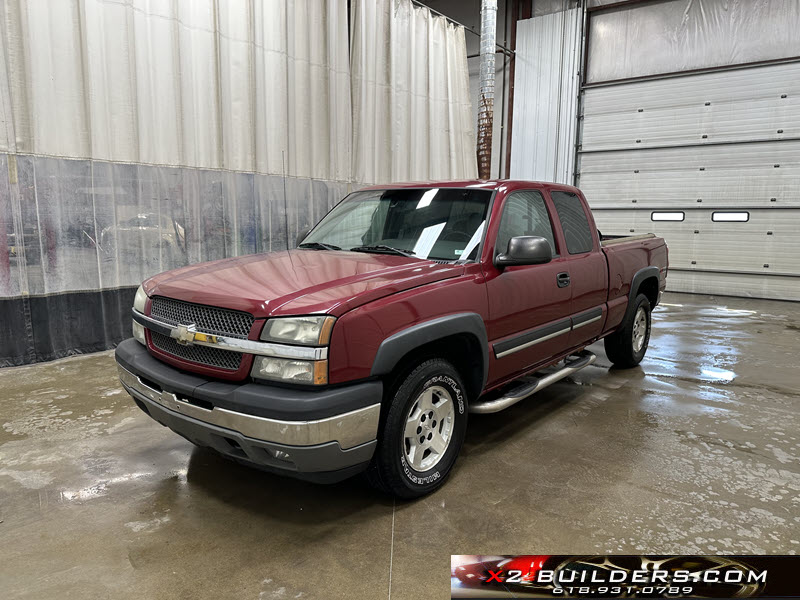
[{"x": 404, "y": 309}]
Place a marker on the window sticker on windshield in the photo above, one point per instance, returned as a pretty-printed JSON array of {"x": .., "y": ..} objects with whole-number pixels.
[{"x": 457, "y": 252}]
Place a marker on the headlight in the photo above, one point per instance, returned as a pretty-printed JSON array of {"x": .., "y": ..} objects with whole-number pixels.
[
  {"x": 311, "y": 372},
  {"x": 306, "y": 331},
  {"x": 140, "y": 300},
  {"x": 138, "y": 304}
]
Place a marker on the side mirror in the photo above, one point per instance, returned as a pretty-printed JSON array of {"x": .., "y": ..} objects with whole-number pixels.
[
  {"x": 525, "y": 250},
  {"x": 301, "y": 236}
]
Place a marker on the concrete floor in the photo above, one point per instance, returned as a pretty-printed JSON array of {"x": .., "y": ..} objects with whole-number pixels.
[{"x": 698, "y": 450}]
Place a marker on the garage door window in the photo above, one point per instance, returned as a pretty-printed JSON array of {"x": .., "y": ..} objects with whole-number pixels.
[
  {"x": 730, "y": 216},
  {"x": 663, "y": 215},
  {"x": 573, "y": 221}
]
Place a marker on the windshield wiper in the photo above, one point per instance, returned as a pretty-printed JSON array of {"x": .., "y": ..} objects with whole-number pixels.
[
  {"x": 382, "y": 248},
  {"x": 318, "y": 246}
]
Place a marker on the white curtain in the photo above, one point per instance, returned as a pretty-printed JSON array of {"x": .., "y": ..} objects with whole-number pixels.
[
  {"x": 412, "y": 117},
  {"x": 149, "y": 134},
  {"x": 138, "y": 136},
  {"x": 244, "y": 85}
]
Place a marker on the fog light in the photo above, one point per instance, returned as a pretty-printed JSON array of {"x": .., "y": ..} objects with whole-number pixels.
[
  {"x": 138, "y": 333},
  {"x": 280, "y": 454}
]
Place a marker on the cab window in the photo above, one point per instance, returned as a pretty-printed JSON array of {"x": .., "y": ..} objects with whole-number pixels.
[
  {"x": 574, "y": 222},
  {"x": 524, "y": 213}
]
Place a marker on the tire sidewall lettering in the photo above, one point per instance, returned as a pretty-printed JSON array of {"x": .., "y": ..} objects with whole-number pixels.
[
  {"x": 451, "y": 383},
  {"x": 433, "y": 476}
]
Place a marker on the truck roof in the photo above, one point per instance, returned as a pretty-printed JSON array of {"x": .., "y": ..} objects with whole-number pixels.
[{"x": 486, "y": 184}]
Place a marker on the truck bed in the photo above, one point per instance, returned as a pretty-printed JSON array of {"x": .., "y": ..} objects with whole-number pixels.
[
  {"x": 608, "y": 240},
  {"x": 628, "y": 254}
]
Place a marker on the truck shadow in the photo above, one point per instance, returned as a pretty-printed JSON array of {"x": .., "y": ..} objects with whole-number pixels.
[
  {"x": 485, "y": 432},
  {"x": 280, "y": 497},
  {"x": 277, "y": 496}
]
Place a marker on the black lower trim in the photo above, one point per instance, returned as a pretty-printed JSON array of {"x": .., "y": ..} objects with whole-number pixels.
[
  {"x": 651, "y": 272},
  {"x": 586, "y": 316},
  {"x": 257, "y": 399},
  {"x": 398, "y": 345},
  {"x": 531, "y": 336},
  {"x": 324, "y": 463},
  {"x": 40, "y": 328}
]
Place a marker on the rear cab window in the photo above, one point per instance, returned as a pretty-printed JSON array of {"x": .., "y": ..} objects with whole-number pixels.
[{"x": 574, "y": 222}]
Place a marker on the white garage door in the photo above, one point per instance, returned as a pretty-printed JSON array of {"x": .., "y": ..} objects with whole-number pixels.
[{"x": 710, "y": 161}]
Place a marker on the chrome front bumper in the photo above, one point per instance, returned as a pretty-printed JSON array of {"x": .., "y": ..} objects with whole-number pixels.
[{"x": 348, "y": 430}]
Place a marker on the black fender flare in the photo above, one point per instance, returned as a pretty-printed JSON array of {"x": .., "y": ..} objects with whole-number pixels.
[
  {"x": 638, "y": 278},
  {"x": 397, "y": 345}
]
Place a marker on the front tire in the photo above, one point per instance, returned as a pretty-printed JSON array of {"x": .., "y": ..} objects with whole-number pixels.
[
  {"x": 627, "y": 346},
  {"x": 423, "y": 431}
]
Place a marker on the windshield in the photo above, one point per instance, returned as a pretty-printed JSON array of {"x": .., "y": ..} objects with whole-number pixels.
[{"x": 433, "y": 223}]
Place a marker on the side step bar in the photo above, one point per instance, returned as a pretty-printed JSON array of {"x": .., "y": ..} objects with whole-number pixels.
[{"x": 584, "y": 359}]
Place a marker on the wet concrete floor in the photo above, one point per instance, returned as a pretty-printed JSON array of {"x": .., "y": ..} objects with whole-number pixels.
[{"x": 696, "y": 451}]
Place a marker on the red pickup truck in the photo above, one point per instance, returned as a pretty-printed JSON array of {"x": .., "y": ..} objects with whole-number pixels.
[{"x": 405, "y": 308}]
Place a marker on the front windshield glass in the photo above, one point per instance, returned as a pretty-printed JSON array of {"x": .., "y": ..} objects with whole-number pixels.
[{"x": 432, "y": 223}]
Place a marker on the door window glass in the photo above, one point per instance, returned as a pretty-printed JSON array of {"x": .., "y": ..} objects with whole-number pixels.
[{"x": 524, "y": 213}]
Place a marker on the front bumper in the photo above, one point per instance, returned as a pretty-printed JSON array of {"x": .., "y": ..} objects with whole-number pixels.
[{"x": 319, "y": 435}]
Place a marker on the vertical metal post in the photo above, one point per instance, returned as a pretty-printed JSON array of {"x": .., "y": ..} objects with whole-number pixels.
[
  {"x": 486, "y": 101},
  {"x": 511, "y": 74}
]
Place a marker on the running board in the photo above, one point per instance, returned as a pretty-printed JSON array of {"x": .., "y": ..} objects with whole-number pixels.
[{"x": 584, "y": 359}]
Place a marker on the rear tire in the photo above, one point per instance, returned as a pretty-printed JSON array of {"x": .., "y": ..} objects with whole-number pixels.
[
  {"x": 422, "y": 433},
  {"x": 627, "y": 346}
]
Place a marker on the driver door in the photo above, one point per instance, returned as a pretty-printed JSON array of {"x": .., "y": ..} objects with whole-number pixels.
[{"x": 529, "y": 306}]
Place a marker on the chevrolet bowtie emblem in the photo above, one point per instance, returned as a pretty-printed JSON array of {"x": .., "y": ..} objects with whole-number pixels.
[{"x": 184, "y": 334}]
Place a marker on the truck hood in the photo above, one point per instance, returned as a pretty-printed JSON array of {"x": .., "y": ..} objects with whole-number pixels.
[{"x": 297, "y": 281}]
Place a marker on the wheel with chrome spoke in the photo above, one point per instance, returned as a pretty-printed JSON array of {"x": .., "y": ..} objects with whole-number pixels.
[
  {"x": 626, "y": 347},
  {"x": 423, "y": 431},
  {"x": 639, "y": 329},
  {"x": 429, "y": 428}
]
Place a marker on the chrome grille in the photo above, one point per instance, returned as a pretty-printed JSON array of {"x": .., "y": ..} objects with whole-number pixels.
[
  {"x": 209, "y": 319},
  {"x": 204, "y": 355}
]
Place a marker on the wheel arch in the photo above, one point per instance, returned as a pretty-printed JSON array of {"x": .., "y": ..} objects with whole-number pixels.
[
  {"x": 645, "y": 281},
  {"x": 459, "y": 338}
]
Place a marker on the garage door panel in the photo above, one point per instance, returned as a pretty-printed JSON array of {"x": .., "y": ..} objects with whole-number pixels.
[
  {"x": 754, "y": 155},
  {"x": 731, "y": 175},
  {"x": 694, "y": 125},
  {"x": 742, "y": 285},
  {"x": 722, "y": 106},
  {"x": 733, "y": 85},
  {"x": 768, "y": 238},
  {"x": 723, "y": 140}
]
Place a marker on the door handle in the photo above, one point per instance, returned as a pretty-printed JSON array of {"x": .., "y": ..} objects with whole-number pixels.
[{"x": 562, "y": 279}]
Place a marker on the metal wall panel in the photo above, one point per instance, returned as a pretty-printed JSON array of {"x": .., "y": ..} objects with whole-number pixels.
[
  {"x": 545, "y": 97},
  {"x": 671, "y": 36},
  {"x": 699, "y": 143}
]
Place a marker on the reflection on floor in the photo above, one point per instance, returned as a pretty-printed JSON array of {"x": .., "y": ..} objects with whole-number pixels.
[{"x": 697, "y": 451}]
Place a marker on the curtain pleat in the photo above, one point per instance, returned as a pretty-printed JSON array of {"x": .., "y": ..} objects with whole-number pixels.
[
  {"x": 143, "y": 135},
  {"x": 412, "y": 117}
]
